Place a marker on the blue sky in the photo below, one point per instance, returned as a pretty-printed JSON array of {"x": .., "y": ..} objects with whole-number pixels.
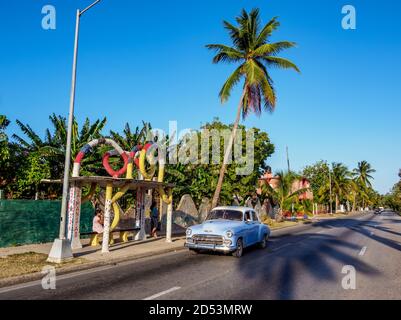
[{"x": 145, "y": 60}]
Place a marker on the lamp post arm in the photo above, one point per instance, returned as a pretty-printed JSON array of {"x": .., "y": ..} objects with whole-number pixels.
[{"x": 87, "y": 8}]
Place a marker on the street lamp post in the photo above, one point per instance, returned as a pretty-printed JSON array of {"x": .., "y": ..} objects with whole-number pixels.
[{"x": 61, "y": 249}]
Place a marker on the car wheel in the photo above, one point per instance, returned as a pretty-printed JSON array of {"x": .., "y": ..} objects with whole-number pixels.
[
  {"x": 263, "y": 243},
  {"x": 240, "y": 249}
]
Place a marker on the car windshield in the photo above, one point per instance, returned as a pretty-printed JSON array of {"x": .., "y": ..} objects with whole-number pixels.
[{"x": 225, "y": 215}]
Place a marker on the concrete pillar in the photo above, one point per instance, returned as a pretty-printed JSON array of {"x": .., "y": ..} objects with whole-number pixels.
[
  {"x": 140, "y": 211},
  {"x": 169, "y": 226},
  {"x": 74, "y": 217},
  {"x": 107, "y": 216}
]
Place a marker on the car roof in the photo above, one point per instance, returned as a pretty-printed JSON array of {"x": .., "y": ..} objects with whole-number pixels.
[{"x": 235, "y": 208}]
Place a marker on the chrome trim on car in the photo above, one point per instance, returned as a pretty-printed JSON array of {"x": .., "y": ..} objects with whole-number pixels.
[
  {"x": 208, "y": 239},
  {"x": 211, "y": 247}
]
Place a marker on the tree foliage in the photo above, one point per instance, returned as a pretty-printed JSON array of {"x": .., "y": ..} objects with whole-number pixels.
[
  {"x": 200, "y": 180},
  {"x": 351, "y": 187}
]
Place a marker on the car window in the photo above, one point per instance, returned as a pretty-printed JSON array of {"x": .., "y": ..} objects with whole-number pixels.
[
  {"x": 255, "y": 216},
  {"x": 248, "y": 216},
  {"x": 233, "y": 215}
]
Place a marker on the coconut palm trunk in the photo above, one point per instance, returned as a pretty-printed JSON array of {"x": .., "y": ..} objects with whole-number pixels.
[
  {"x": 228, "y": 152},
  {"x": 337, "y": 203}
]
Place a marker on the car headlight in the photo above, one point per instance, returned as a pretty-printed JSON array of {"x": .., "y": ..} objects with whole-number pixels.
[
  {"x": 229, "y": 234},
  {"x": 189, "y": 232}
]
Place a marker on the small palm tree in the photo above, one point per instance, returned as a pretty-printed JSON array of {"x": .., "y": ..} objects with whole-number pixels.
[
  {"x": 254, "y": 53},
  {"x": 283, "y": 194},
  {"x": 52, "y": 147},
  {"x": 131, "y": 139}
]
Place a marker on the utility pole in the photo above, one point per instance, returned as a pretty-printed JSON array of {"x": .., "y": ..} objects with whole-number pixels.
[
  {"x": 61, "y": 249},
  {"x": 331, "y": 198},
  {"x": 288, "y": 160}
]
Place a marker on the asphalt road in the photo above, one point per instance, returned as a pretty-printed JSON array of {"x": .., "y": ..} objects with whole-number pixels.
[{"x": 304, "y": 263}]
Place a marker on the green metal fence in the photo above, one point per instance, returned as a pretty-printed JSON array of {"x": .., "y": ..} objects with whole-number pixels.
[{"x": 28, "y": 221}]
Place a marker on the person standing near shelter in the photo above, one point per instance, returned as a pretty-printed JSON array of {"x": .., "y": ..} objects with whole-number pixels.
[
  {"x": 98, "y": 222},
  {"x": 154, "y": 219}
]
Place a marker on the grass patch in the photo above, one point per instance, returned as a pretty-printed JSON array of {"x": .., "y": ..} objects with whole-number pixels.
[
  {"x": 334, "y": 215},
  {"x": 26, "y": 263},
  {"x": 278, "y": 225}
]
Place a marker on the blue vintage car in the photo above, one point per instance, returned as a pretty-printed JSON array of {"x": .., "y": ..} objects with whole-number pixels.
[{"x": 228, "y": 230}]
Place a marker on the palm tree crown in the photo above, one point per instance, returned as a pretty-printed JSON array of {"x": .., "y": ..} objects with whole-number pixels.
[
  {"x": 362, "y": 174},
  {"x": 255, "y": 54}
]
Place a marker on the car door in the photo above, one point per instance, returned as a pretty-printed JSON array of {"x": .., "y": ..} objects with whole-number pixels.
[
  {"x": 254, "y": 229},
  {"x": 248, "y": 222}
]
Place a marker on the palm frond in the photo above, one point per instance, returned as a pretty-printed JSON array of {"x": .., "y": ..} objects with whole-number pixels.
[
  {"x": 280, "y": 63},
  {"x": 267, "y": 30},
  {"x": 235, "y": 77},
  {"x": 225, "y": 53},
  {"x": 271, "y": 49}
]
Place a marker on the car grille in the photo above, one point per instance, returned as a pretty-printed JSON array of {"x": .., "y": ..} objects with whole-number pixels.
[{"x": 208, "y": 239}]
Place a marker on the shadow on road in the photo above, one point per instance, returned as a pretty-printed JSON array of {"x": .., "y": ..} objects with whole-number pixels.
[
  {"x": 310, "y": 253},
  {"x": 311, "y": 257}
]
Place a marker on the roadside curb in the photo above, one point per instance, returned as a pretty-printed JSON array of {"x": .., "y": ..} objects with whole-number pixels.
[{"x": 85, "y": 266}]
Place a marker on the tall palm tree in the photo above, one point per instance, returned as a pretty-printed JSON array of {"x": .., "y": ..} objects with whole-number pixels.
[
  {"x": 341, "y": 184},
  {"x": 341, "y": 179},
  {"x": 363, "y": 174},
  {"x": 254, "y": 53}
]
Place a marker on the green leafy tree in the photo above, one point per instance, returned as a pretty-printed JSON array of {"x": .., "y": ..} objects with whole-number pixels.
[
  {"x": 4, "y": 152},
  {"x": 318, "y": 176},
  {"x": 252, "y": 50},
  {"x": 30, "y": 174},
  {"x": 392, "y": 200},
  {"x": 200, "y": 179}
]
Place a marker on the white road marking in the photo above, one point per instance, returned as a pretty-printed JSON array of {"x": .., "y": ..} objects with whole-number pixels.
[
  {"x": 157, "y": 295},
  {"x": 363, "y": 250}
]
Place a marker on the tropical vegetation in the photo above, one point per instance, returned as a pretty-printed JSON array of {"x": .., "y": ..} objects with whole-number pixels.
[
  {"x": 335, "y": 184},
  {"x": 27, "y": 159}
]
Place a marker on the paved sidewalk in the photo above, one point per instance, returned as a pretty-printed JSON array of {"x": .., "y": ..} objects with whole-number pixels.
[
  {"x": 91, "y": 257},
  {"x": 119, "y": 250}
]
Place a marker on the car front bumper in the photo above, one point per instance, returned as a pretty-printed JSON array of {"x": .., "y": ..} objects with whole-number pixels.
[{"x": 210, "y": 247}]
